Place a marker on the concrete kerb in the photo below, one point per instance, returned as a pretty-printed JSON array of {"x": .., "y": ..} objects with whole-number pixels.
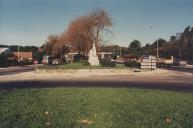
[
  {"x": 98, "y": 71},
  {"x": 81, "y": 70}
]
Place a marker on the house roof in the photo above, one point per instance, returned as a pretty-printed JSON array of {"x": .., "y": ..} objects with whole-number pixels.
[{"x": 2, "y": 50}]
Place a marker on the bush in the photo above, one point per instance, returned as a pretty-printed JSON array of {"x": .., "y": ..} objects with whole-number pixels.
[
  {"x": 85, "y": 62},
  {"x": 77, "y": 58},
  {"x": 132, "y": 64},
  {"x": 107, "y": 63},
  {"x": 114, "y": 57},
  {"x": 3, "y": 60}
]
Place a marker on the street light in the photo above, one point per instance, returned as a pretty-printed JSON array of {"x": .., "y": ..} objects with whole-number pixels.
[
  {"x": 120, "y": 52},
  {"x": 18, "y": 53},
  {"x": 157, "y": 46},
  {"x": 157, "y": 50}
]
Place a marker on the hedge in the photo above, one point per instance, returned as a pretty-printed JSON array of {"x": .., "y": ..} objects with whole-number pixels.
[
  {"x": 132, "y": 64},
  {"x": 107, "y": 63}
]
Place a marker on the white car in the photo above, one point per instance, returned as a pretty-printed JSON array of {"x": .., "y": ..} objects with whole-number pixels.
[
  {"x": 181, "y": 63},
  {"x": 47, "y": 60},
  {"x": 56, "y": 62}
]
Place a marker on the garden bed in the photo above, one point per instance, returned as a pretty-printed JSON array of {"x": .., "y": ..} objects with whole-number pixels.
[
  {"x": 78, "y": 65},
  {"x": 80, "y": 68}
]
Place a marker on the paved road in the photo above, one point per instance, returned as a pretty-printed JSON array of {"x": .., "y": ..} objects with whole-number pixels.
[
  {"x": 20, "y": 69},
  {"x": 167, "y": 83},
  {"x": 85, "y": 83},
  {"x": 16, "y": 70},
  {"x": 181, "y": 69}
]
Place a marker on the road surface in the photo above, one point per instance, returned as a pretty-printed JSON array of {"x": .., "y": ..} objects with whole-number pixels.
[
  {"x": 181, "y": 69},
  {"x": 85, "y": 83},
  {"x": 16, "y": 69},
  {"x": 159, "y": 79},
  {"x": 180, "y": 79}
]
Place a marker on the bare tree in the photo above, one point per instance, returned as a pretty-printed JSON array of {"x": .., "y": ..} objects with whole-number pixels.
[
  {"x": 51, "y": 41},
  {"x": 100, "y": 19},
  {"x": 82, "y": 32}
]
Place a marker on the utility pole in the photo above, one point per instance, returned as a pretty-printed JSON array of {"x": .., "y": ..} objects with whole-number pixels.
[
  {"x": 157, "y": 50},
  {"x": 18, "y": 52},
  {"x": 120, "y": 52},
  {"x": 43, "y": 50},
  {"x": 157, "y": 56},
  {"x": 180, "y": 52}
]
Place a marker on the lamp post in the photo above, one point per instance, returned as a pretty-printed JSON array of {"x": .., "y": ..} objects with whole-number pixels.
[
  {"x": 18, "y": 53},
  {"x": 157, "y": 43},
  {"x": 120, "y": 52},
  {"x": 157, "y": 50}
]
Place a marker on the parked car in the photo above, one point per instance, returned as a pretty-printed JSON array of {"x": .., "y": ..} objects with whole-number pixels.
[
  {"x": 68, "y": 60},
  {"x": 181, "y": 63},
  {"x": 47, "y": 60},
  {"x": 35, "y": 61},
  {"x": 127, "y": 58},
  {"x": 56, "y": 62}
]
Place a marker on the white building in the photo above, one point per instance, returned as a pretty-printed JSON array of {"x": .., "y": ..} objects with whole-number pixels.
[{"x": 5, "y": 51}]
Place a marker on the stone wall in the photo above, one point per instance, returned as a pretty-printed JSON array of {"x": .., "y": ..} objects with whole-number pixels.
[{"x": 83, "y": 70}]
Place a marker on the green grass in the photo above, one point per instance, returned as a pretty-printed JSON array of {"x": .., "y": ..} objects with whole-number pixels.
[
  {"x": 105, "y": 107},
  {"x": 78, "y": 65}
]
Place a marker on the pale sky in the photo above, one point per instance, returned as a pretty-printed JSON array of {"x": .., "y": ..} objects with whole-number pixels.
[{"x": 29, "y": 22}]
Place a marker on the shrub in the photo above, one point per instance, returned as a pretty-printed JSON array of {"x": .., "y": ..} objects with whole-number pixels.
[
  {"x": 77, "y": 58},
  {"x": 137, "y": 70},
  {"x": 107, "y": 63},
  {"x": 3, "y": 60},
  {"x": 114, "y": 57},
  {"x": 85, "y": 62},
  {"x": 132, "y": 64}
]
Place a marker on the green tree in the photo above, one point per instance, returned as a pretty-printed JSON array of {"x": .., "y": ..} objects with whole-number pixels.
[
  {"x": 147, "y": 49},
  {"x": 135, "y": 48},
  {"x": 135, "y": 44},
  {"x": 39, "y": 56}
]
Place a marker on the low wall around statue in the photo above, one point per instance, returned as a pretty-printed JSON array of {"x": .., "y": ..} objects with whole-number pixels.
[
  {"x": 88, "y": 71},
  {"x": 96, "y": 72}
]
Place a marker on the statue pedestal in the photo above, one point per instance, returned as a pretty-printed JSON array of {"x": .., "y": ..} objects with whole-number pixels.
[{"x": 93, "y": 58}]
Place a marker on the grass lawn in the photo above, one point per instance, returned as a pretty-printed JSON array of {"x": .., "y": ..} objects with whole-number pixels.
[
  {"x": 78, "y": 65},
  {"x": 95, "y": 108}
]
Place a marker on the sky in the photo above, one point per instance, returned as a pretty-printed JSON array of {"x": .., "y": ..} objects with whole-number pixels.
[{"x": 30, "y": 22}]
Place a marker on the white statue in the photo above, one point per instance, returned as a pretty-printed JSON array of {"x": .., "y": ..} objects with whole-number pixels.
[{"x": 93, "y": 58}]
